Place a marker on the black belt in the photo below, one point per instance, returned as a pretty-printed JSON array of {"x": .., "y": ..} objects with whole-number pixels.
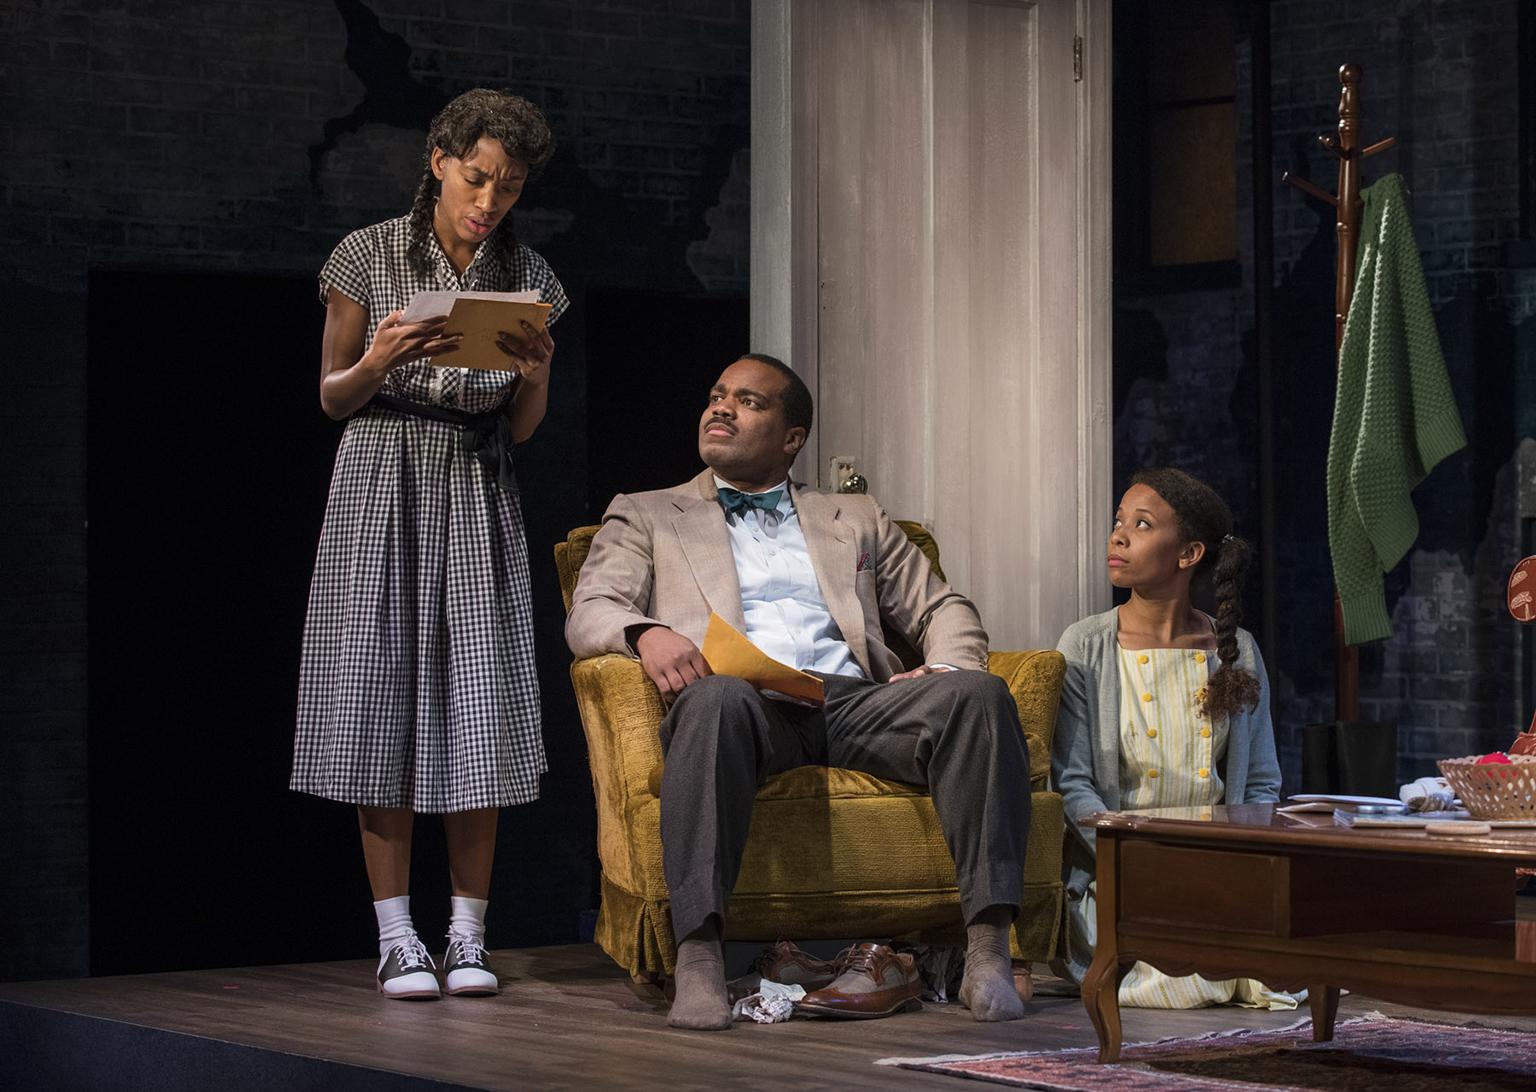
[{"x": 486, "y": 436}]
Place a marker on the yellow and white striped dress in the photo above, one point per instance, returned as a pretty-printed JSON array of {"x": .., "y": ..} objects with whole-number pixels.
[{"x": 1170, "y": 756}]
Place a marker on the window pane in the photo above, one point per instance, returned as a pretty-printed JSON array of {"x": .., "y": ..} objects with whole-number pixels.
[{"x": 1192, "y": 180}]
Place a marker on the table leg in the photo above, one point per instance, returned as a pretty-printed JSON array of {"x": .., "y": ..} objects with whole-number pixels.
[
  {"x": 1101, "y": 997},
  {"x": 1101, "y": 985},
  {"x": 1325, "y": 1008}
]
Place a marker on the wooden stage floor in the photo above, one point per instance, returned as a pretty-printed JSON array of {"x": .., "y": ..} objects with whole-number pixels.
[{"x": 567, "y": 1018}]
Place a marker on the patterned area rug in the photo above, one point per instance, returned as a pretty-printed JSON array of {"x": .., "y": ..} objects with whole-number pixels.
[{"x": 1367, "y": 1053}]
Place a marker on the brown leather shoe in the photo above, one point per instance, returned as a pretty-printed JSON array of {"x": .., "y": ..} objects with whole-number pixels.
[
  {"x": 1023, "y": 980},
  {"x": 875, "y": 981},
  {"x": 786, "y": 964}
]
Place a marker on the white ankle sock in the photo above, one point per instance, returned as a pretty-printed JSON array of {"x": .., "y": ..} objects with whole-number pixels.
[
  {"x": 394, "y": 921},
  {"x": 467, "y": 918}
]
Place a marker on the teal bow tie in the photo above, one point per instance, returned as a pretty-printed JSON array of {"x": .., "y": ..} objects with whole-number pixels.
[{"x": 736, "y": 503}]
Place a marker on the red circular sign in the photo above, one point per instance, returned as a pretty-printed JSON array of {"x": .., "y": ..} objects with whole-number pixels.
[{"x": 1521, "y": 596}]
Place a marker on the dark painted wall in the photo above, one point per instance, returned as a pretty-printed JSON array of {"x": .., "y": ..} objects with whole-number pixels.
[{"x": 147, "y": 146}]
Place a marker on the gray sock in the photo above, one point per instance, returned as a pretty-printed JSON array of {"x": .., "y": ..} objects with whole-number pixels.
[
  {"x": 987, "y": 988},
  {"x": 700, "y": 1000}
]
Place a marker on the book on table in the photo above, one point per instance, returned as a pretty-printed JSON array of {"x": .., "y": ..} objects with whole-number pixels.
[
  {"x": 1411, "y": 820},
  {"x": 1328, "y": 802}
]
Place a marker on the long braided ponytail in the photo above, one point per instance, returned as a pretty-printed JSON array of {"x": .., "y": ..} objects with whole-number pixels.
[
  {"x": 1204, "y": 517},
  {"x": 420, "y": 227},
  {"x": 520, "y": 127}
]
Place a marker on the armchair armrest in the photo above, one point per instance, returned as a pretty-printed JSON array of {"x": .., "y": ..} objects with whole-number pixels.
[
  {"x": 620, "y": 713},
  {"x": 1034, "y": 678}
]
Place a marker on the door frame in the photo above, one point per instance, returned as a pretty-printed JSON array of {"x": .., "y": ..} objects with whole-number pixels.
[{"x": 784, "y": 269}]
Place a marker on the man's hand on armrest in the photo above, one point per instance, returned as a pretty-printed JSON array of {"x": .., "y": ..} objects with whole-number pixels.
[{"x": 671, "y": 660}]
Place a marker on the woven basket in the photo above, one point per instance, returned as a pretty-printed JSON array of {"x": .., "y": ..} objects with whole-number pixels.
[{"x": 1494, "y": 791}]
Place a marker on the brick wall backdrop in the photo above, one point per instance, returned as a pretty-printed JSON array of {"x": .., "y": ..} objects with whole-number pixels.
[
  {"x": 1441, "y": 76},
  {"x": 249, "y": 137},
  {"x": 155, "y": 134}
]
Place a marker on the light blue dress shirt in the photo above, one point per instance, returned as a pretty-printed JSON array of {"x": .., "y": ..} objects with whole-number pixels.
[{"x": 781, "y": 601}]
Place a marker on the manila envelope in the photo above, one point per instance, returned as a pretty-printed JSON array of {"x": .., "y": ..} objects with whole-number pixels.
[
  {"x": 480, "y": 321},
  {"x": 728, "y": 652}
]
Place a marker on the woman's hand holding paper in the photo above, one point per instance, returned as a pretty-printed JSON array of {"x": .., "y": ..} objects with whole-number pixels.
[
  {"x": 396, "y": 342},
  {"x": 529, "y": 351}
]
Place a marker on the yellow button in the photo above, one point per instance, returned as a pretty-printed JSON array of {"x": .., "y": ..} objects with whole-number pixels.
[
  {"x": 1203, "y": 772},
  {"x": 1151, "y": 773},
  {"x": 1199, "y": 657},
  {"x": 1151, "y": 733},
  {"x": 1146, "y": 697},
  {"x": 1142, "y": 658},
  {"x": 1205, "y": 733}
]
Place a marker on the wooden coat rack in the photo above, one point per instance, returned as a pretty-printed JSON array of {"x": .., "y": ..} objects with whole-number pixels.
[{"x": 1345, "y": 147}]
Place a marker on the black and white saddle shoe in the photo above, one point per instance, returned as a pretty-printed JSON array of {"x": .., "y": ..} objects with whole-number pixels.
[
  {"x": 406, "y": 972},
  {"x": 468, "y": 972}
]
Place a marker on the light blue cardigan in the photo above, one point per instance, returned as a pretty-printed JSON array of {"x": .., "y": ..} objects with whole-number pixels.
[{"x": 1085, "y": 755}]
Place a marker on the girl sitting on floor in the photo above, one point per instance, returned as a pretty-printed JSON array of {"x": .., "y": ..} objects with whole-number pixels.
[{"x": 1150, "y": 720}]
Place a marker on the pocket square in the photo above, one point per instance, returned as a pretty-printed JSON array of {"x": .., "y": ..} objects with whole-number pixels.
[{"x": 863, "y": 566}]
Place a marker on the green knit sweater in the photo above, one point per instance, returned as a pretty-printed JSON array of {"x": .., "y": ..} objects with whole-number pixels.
[{"x": 1395, "y": 416}]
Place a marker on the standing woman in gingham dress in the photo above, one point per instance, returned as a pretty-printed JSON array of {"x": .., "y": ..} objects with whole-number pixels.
[{"x": 417, "y": 691}]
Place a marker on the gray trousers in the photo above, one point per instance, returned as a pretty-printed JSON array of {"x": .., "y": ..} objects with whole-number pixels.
[{"x": 955, "y": 732}]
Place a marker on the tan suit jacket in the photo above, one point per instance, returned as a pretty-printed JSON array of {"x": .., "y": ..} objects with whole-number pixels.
[{"x": 664, "y": 557}]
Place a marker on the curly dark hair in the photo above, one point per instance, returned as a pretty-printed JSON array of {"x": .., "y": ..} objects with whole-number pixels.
[
  {"x": 520, "y": 127},
  {"x": 1204, "y": 517}
]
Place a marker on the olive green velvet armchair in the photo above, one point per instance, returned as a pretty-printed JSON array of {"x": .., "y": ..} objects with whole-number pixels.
[{"x": 833, "y": 853}]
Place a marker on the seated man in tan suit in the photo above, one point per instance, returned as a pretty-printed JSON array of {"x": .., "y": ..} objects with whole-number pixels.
[{"x": 809, "y": 578}]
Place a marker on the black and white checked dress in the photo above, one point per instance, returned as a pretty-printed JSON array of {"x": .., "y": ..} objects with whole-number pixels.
[{"x": 417, "y": 687}]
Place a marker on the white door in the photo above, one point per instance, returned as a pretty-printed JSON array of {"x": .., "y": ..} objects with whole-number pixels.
[{"x": 930, "y": 251}]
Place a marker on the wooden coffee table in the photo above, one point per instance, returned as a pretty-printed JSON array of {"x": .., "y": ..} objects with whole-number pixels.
[{"x": 1243, "y": 891}]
